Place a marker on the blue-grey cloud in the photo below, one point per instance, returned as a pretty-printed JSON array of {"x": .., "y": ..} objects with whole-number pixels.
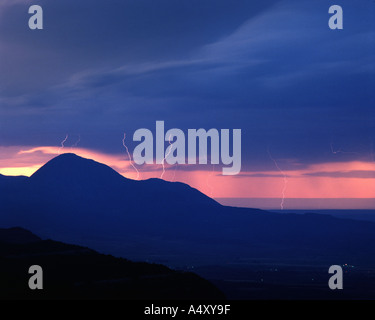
[
  {"x": 355, "y": 174},
  {"x": 271, "y": 68}
]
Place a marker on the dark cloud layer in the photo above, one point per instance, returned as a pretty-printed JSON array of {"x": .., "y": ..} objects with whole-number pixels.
[
  {"x": 272, "y": 68},
  {"x": 356, "y": 174}
]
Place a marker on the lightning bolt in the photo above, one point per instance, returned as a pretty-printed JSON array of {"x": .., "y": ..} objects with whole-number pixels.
[
  {"x": 130, "y": 158},
  {"x": 62, "y": 144},
  {"x": 341, "y": 151},
  {"x": 284, "y": 177},
  {"x": 166, "y": 156},
  {"x": 76, "y": 143}
]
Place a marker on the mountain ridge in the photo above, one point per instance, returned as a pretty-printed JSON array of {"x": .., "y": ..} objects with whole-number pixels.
[
  {"x": 82, "y": 201},
  {"x": 75, "y": 272}
]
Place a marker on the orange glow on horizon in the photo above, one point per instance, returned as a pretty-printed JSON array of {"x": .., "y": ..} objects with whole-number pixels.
[{"x": 302, "y": 183}]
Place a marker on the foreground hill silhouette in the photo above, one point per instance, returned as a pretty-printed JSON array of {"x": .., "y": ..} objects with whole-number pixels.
[
  {"x": 80, "y": 201},
  {"x": 74, "y": 272}
]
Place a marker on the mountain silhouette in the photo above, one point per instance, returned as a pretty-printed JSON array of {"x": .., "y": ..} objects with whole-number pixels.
[
  {"x": 74, "y": 272},
  {"x": 69, "y": 173},
  {"x": 81, "y": 201},
  {"x": 69, "y": 169},
  {"x": 17, "y": 235}
]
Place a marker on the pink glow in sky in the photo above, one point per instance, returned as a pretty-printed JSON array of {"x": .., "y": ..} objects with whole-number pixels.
[{"x": 353, "y": 179}]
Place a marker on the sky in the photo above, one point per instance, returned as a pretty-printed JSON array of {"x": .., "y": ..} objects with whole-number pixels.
[{"x": 302, "y": 94}]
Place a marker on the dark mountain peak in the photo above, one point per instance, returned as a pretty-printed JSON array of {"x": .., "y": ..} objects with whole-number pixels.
[
  {"x": 66, "y": 159},
  {"x": 69, "y": 173},
  {"x": 70, "y": 168},
  {"x": 65, "y": 156},
  {"x": 17, "y": 235}
]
